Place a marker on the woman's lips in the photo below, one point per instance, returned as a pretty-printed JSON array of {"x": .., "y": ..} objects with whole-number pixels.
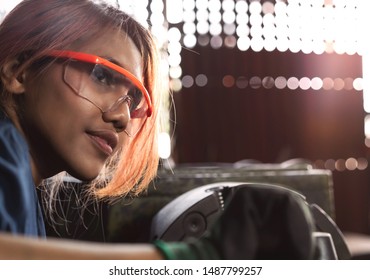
[{"x": 106, "y": 141}]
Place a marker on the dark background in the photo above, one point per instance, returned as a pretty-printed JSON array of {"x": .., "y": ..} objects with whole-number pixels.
[{"x": 215, "y": 123}]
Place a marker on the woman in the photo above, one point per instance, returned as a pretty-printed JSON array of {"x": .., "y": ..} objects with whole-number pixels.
[{"x": 80, "y": 94}]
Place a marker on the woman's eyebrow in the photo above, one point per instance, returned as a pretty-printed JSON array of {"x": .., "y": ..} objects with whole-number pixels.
[
  {"x": 111, "y": 59},
  {"x": 116, "y": 62}
]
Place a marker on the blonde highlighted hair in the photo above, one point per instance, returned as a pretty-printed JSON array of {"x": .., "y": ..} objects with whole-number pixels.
[{"x": 35, "y": 27}]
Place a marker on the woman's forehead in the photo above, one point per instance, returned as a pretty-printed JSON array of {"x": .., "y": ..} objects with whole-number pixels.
[{"x": 115, "y": 46}]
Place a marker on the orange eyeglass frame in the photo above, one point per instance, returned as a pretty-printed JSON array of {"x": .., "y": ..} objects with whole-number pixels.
[{"x": 94, "y": 59}]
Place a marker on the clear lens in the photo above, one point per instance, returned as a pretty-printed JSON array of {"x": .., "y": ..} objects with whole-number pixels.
[{"x": 108, "y": 90}]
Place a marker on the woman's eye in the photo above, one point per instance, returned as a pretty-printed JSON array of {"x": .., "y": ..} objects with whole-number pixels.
[
  {"x": 103, "y": 75},
  {"x": 136, "y": 97},
  {"x": 129, "y": 102}
]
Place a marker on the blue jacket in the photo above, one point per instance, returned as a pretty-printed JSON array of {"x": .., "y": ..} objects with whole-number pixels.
[{"x": 20, "y": 212}]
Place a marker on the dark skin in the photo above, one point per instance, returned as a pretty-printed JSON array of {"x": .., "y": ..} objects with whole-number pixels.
[
  {"x": 59, "y": 125},
  {"x": 62, "y": 130}
]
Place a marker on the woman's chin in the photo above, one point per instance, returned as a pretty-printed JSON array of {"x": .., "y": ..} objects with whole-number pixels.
[{"x": 85, "y": 176}]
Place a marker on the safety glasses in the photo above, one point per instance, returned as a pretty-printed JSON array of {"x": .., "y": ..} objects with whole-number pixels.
[{"x": 98, "y": 80}]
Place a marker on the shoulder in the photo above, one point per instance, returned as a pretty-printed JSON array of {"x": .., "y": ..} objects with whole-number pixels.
[
  {"x": 14, "y": 158},
  {"x": 19, "y": 208},
  {"x": 13, "y": 146}
]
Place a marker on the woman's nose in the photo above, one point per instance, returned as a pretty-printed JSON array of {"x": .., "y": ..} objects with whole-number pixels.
[{"x": 119, "y": 116}]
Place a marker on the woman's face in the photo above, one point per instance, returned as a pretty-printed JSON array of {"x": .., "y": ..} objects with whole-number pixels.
[{"x": 67, "y": 132}]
